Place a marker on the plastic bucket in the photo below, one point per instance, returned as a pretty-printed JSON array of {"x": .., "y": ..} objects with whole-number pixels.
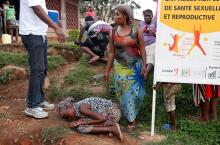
[
  {"x": 6, "y": 39},
  {"x": 10, "y": 13},
  {"x": 54, "y": 15}
]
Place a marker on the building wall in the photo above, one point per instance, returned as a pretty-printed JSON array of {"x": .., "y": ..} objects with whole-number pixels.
[
  {"x": 68, "y": 9},
  {"x": 69, "y": 14},
  {"x": 72, "y": 14}
]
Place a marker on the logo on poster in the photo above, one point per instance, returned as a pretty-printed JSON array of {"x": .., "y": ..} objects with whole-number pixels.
[
  {"x": 212, "y": 75},
  {"x": 185, "y": 72},
  {"x": 176, "y": 70}
]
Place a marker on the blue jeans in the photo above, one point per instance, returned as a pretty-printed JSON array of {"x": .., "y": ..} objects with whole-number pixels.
[{"x": 36, "y": 46}]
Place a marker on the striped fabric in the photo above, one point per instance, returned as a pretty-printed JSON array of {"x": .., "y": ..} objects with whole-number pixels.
[{"x": 205, "y": 92}]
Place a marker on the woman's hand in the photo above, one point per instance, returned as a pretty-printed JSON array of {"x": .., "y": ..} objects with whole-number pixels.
[
  {"x": 77, "y": 123},
  {"x": 109, "y": 119},
  {"x": 106, "y": 76},
  {"x": 144, "y": 71},
  {"x": 157, "y": 86}
]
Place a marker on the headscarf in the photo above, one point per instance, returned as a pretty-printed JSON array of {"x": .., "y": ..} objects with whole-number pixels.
[
  {"x": 126, "y": 10},
  {"x": 65, "y": 104}
]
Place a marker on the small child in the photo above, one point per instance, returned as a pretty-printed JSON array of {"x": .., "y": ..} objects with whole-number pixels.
[
  {"x": 90, "y": 11},
  {"x": 170, "y": 92}
]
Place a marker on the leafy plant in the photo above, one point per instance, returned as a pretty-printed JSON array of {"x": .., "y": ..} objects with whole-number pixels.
[
  {"x": 4, "y": 77},
  {"x": 74, "y": 34}
]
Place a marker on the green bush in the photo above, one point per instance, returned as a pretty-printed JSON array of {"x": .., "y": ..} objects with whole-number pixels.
[{"x": 74, "y": 34}]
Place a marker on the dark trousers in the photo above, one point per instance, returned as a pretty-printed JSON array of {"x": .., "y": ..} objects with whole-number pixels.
[{"x": 36, "y": 46}]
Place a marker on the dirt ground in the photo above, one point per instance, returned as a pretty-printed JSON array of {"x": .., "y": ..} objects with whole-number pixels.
[{"x": 16, "y": 128}]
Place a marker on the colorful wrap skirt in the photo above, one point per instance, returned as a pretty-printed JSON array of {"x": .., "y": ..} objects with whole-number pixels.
[{"x": 129, "y": 86}]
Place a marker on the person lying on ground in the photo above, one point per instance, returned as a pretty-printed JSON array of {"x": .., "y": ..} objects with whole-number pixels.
[{"x": 92, "y": 115}]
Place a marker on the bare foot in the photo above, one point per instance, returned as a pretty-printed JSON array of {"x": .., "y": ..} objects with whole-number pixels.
[
  {"x": 173, "y": 128},
  {"x": 94, "y": 59},
  {"x": 104, "y": 59},
  {"x": 117, "y": 131},
  {"x": 213, "y": 117},
  {"x": 199, "y": 119},
  {"x": 132, "y": 126}
]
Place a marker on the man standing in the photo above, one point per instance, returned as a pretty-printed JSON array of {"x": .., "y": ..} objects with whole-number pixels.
[
  {"x": 33, "y": 28},
  {"x": 148, "y": 27}
]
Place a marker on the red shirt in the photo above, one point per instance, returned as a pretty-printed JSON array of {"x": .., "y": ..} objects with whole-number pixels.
[{"x": 93, "y": 14}]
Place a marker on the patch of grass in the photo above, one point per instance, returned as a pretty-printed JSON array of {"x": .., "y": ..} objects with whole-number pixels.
[
  {"x": 4, "y": 77},
  {"x": 188, "y": 133},
  {"x": 74, "y": 34},
  {"x": 55, "y": 61},
  {"x": 67, "y": 46},
  {"x": 77, "y": 94},
  {"x": 57, "y": 94},
  {"x": 20, "y": 59},
  {"x": 81, "y": 75},
  {"x": 54, "y": 134},
  {"x": 110, "y": 93},
  {"x": 7, "y": 58},
  {"x": 194, "y": 133}
]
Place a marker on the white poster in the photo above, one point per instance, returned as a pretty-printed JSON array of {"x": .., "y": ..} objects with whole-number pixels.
[{"x": 188, "y": 42}]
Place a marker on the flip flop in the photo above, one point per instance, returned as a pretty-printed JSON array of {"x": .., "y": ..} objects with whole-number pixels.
[
  {"x": 167, "y": 126},
  {"x": 94, "y": 59},
  {"x": 119, "y": 131}
]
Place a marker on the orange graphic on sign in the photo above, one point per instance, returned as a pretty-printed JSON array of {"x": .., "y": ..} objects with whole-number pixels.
[
  {"x": 196, "y": 41},
  {"x": 174, "y": 46}
]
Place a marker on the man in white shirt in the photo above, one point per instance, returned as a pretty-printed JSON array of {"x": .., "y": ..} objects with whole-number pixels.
[{"x": 33, "y": 28}]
